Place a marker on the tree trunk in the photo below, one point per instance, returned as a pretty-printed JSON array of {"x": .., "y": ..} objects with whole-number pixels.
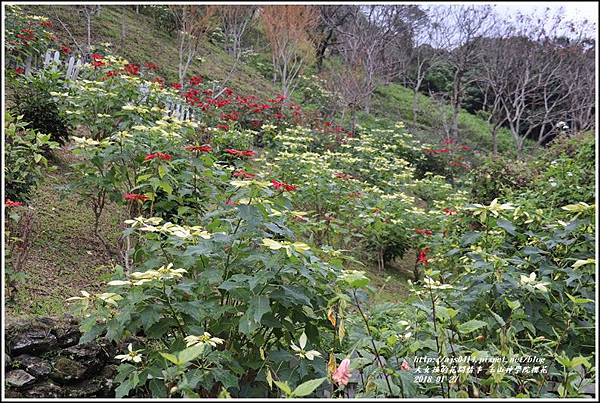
[
  {"x": 415, "y": 107},
  {"x": 89, "y": 32},
  {"x": 495, "y": 140}
]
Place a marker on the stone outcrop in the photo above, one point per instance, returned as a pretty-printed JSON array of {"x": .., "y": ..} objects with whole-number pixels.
[{"x": 44, "y": 360}]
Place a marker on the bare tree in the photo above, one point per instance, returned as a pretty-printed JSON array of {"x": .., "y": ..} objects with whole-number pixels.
[
  {"x": 287, "y": 30},
  {"x": 234, "y": 21},
  {"x": 194, "y": 23},
  {"x": 89, "y": 12},
  {"x": 464, "y": 26}
]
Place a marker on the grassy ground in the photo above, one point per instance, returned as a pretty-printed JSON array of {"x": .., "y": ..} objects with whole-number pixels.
[{"x": 65, "y": 256}]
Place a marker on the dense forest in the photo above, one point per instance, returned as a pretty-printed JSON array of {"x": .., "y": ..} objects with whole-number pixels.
[{"x": 301, "y": 200}]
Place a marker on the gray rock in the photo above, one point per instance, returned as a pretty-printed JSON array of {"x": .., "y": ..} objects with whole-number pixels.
[
  {"x": 43, "y": 390},
  {"x": 67, "y": 371},
  {"x": 19, "y": 378},
  {"x": 32, "y": 341},
  {"x": 36, "y": 366}
]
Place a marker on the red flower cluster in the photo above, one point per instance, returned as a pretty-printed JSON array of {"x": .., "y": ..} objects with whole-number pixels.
[
  {"x": 135, "y": 196},
  {"x": 132, "y": 69},
  {"x": 65, "y": 49},
  {"x": 426, "y": 232},
  {"x": 176, "y": 86},
  {"x": 98, "y": 63},
  {"x": 422, "y": 258},
  {"x": 465, "y": 148},
  {"x": 96, "y": 56},
  {"x": 151, "y": 66},
  {"x": 162, "y": 156},
  {"x": 20, "y": 70},
  {"x": 196, "y": 80},
  {"x": 234, "y": 116},
  {"x": 10, "y": 203},
  {"x": 437, "y": 151},
  {"x": 285, "y": 186},
  {"x": 26, "y": 35},
  {"x": 240, "y": 153},
  {"x": 203, "y": 149},
  {"x": 222, "y": 126},
  {"x": 112, "y": 73},
  {"x": 449, "y": 211},
  {"x": 277, "y": 100},
  {"x": 47, "y": 24},
  {"x": 448, "y": 141},
  {"x": 160, "y": 81},
  {"x": 240, "y": 173}
]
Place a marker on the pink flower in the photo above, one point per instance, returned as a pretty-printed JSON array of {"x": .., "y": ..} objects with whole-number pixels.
[
  {"x": 404, "y": 366},
  {"x": 10, "y": 203},
  {"x": 342, "y": 374}
]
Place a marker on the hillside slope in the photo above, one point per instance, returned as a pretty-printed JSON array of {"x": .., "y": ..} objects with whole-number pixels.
[{"x": 145, "y": 41}]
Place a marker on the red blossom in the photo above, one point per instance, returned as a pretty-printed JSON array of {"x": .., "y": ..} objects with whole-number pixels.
[
  {"x": 176, "y": 86},
  {"x": 240, "y": 173},
  {"x": 159, "y": 155},
  {"x": 239, "y": 153},
  {"x": 422, "y": 258},
  {"x": 203, "y": 149},
  {"x": 47, "y": 24},
  {"x": 426, "y": 232},
  {"x": 65, "y": 49},
  {"x": 160, "y": 81},
  {"x": 230, "y": 202},
  {"x": 132, "y": 69},
  {"x": 151, "y": 66},
  {"x": 196, "y": 80},
  {"x": 449, "y": 211},
  {"x": 282, "y": 185},
  {"x": 10, "y": 203},
  {"x": 20, "y": 70},
  {"x": 96, "y": 56},
  {"x": 112, "y": 73},
  {"x": 98, "y": 63},
  {"x": 135, "y": 196},
  {"x": 465, "y": 148},
  {"x": 222, "y": 127}
]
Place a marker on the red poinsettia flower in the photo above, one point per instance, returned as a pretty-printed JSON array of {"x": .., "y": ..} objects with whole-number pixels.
[
  {"x": 96, "y": 56},
  {"x": 203, "y": 149},
  {"x": 65, "y": 49},
  {"x": 196, "y": 80},
  {"x": 426, "y": 232},
  {"x": 449, "y": 211},
  {"x": 283, "y": 186},
  {"x": 222, "y": 127},
  {"x": 20, "y": 70},
  {"x": 47, "y": 24},
  {"x": 176, "y": 86},
  {"x": 10, "y": 203},
  {"x": 151, "y": 66},
  {"x": 422, "y": 258},
  {"x": 159, "y": 155},
  {"x": 135, "y": 196},
  {"x": 465, "y": 148},
  {"x": 98, "y": 63},
  {"x": 132, "y": 69},
  {"x": 238, "y": 153},
  {"x": 240, "y": 173}
]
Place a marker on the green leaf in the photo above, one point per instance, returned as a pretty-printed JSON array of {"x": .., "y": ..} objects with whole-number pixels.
[
  {"x": 307, "y": 387},
  {"x": 470, "y": 238},
  {"x": 513, "y": 304},
  {"x": 171, "y": 358},
  {"x": 578, "y": 300},
  {"x": 498, "y": 318},
  {"x": 284, "y": 387},
  {"x": 162, "y": 171},
  {"x": 166, "y": 186},
  {"x": 190, "y": 353},
  {"x": 506, "y": 225},
  {"x": 260, "y": 305},
  {"x": 471, "y": 326}
]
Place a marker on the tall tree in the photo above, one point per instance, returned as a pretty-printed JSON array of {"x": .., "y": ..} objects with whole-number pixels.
[
  {"x": 194, "y": 23},
  {"x": 287, "y": 29}
]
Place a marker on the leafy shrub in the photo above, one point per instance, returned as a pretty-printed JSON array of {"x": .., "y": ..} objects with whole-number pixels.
[
  {"x": 33, "y": 100},
  {"x": 498, "y": 174},
  {"x": 24, "y": 151}
]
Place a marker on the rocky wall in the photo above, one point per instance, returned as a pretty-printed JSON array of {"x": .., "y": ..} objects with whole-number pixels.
[{"x": 44, "y": 360}]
